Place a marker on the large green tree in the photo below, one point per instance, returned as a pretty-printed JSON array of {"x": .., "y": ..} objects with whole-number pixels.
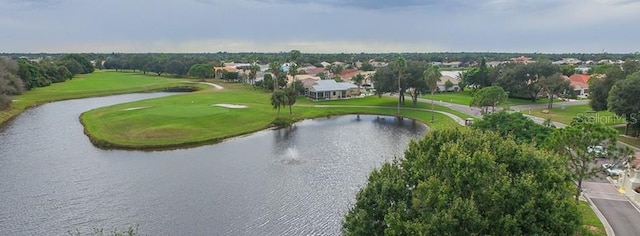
[
  {"x": 554, "y": 85},
  {"x": 400, "y": 66},
  {"x": 522, "y": 80},
  {"x": 432, "y": 77},
  {"x": 486, "y": 97},
  {"x": 466, "y": 182},
  {"x": 201, "y": 71},
  {"x": 522, "y": 128},
  {"x": 10, "y": 83},
  {"x": 600, "y": 85},
  {"x": 623, "y": 101},
  {"x": 478, "y": 77},
  {"x": 574, "y": 141}
]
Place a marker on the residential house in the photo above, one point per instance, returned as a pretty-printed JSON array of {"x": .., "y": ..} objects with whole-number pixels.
[
  {"x": 330, "y": 89},
  {"x": 580, "y": 83},
  {"x": 219, "y": 70},
  {"x": 454, "y": 77},
  {"x": 325, "y": 64},
  {"x": 315, "y": 70},
  {"x": 522, "y": 59},
  {"x": 453, "y": 64}
]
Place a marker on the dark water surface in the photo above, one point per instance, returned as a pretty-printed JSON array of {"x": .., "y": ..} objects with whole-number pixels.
[{"x": 296, "y": 181}]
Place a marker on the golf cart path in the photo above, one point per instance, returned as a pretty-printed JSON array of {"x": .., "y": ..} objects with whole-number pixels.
[{"x": 205, "y": 83}]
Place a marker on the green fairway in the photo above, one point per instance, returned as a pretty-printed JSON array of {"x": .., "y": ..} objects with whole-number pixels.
[
  {"x": 193, "y": 119},
  {"x": 567, "y": 114},
  {"x": 99, "y": 83},
  {"x": 465, "y": 97}
]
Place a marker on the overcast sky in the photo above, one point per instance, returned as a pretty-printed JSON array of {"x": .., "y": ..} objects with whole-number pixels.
[{"x": 546, "y": 26}]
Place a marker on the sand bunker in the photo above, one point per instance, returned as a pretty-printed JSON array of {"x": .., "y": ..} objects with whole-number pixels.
[
  {"x": 134, "y": 108},
  {"x": 230, "y": 105}
]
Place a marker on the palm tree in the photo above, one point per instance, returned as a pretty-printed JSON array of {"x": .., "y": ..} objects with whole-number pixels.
[
  {"x": 278, "y": 100},
  {"x": 253, "y": 72},
  {"x": 291, "y": 95},
  {"x": 274, "y": 68},
  {"x": 432, "y": 77},
  {"x": 401, "y": 64}
]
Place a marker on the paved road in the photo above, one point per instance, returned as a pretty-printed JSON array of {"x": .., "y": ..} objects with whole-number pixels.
[{"x": 623, "y": 217}]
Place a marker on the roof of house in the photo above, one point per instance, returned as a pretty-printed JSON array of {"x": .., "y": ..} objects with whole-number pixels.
[
  {"x": 227, "y": 68},
  {"x": 332, "y": 85},
  {"x": 451, "y": 73},
  {"x": 309, "y": 81},
  {"x": 580, "y": 78},
  {"x": 444, "y": 79},
  {"x": 315, "y": 71},
  {"x": 347, "y": 74}
]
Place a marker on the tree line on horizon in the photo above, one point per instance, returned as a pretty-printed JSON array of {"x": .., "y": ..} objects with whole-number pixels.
[{"x": 17, "y": 76}]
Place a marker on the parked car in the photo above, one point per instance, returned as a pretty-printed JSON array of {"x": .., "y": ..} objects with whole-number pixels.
[
  {"x": 611, "y": 169},
  {"x": 599, "y": 151}
]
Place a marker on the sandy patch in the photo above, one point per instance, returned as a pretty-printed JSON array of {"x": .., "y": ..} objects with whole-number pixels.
[
  {"x": 134, "y": 108},
  {"x": 230, "y": 105}
]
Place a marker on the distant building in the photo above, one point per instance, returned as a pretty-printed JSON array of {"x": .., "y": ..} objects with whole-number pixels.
[
  {"x": 522, "y": 59},
  {"x": 580, "y": 84},
  {"x": 330, "y": 90}
]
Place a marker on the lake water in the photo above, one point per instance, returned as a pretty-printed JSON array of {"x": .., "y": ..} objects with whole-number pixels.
[{"x": 295, "y": 181}]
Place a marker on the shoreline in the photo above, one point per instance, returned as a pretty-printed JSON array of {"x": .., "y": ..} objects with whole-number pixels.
[{"x": 107, "y": 145}]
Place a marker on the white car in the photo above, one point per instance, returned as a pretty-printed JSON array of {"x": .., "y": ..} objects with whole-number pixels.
[
  {"x": 599, "y": 151},
  {"x": 612, "y": 170}
]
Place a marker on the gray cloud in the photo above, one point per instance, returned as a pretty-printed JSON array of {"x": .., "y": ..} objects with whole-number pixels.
[{"x": 319, "y": 26}]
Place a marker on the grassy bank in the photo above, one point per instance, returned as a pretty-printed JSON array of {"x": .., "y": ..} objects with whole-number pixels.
[
  {"x": 567, "y": 114},
  {"x": 99, "y": 83},
  {"x": 194, "y": 119},
  {"x": 465, "y": 97},
  {"x": 591, "y": 224}
]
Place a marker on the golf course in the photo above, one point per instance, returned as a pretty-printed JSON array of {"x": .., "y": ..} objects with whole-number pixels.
[{"x": 207, "y": 115}]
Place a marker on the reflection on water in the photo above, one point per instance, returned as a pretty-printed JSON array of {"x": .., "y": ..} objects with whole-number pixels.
[{"x": 293, "y": 181}]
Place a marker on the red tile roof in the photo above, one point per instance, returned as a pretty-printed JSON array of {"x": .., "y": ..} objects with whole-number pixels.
[
  {"x": 315, "y": 71},
  {"x": 580, "y": 78}
]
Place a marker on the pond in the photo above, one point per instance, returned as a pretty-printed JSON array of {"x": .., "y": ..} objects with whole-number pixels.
[{"x": 295, "y": 181}]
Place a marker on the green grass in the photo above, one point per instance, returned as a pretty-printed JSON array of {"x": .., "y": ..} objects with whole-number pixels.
[
  {"x": 99, "y": 83},
  {"x": 190, "y": 119},
  {"x": 635, "y": 142},
  {"x": 591, "y": 224},
  {"x": 567, "y": 114},
  {"x": 465, "y": 97}
]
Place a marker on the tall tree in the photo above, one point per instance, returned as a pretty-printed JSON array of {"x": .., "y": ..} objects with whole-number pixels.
[
  {"x": 278, "y": 100},
  {"x": 358, "y": 79},
  {"x": 201, "y": 71},
  {"x": 487, "y": 97},
  {"x": 466, "y": 182},
  {"x": 574, "y": 141},
  {"x": 401, "y": 65},
  {"x": 253, "y": 72},
  {"x": 623, "y": 101},
  {"x": 600, "y": 85},
  {"x": 447, "y": 85},
  {"x": 276, "y": 70},
  {"x": 432, "y": 77},
  {"x": 291, "y": 95},
  {"x": 554, "y": 85},
  {"x": 10, "y": 83}
]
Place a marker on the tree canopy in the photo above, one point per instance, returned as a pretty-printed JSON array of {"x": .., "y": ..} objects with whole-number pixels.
[
  {"x": 554, "y": 85},
  {"x": 521, "y": 128},
  {"x": 466, "y": 182},
  {"x": 623, "y": 101},
  {"x": 487, "y": 97}
]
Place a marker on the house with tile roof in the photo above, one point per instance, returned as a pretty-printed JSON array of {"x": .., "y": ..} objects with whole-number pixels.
[
  {"x": 330, "y": 90},
  {"x": 580, "y": 84}
]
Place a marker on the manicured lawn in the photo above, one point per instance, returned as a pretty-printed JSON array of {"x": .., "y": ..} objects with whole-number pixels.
[
  {"x": 385, "y": 102},
  {"x": 192, "y": 119},
  {"x": 99, "y": 83},
  {"x": 465, "y": 97},
  {"x": 591, "y": 224},
  {"x": 567, "y": 114}
]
